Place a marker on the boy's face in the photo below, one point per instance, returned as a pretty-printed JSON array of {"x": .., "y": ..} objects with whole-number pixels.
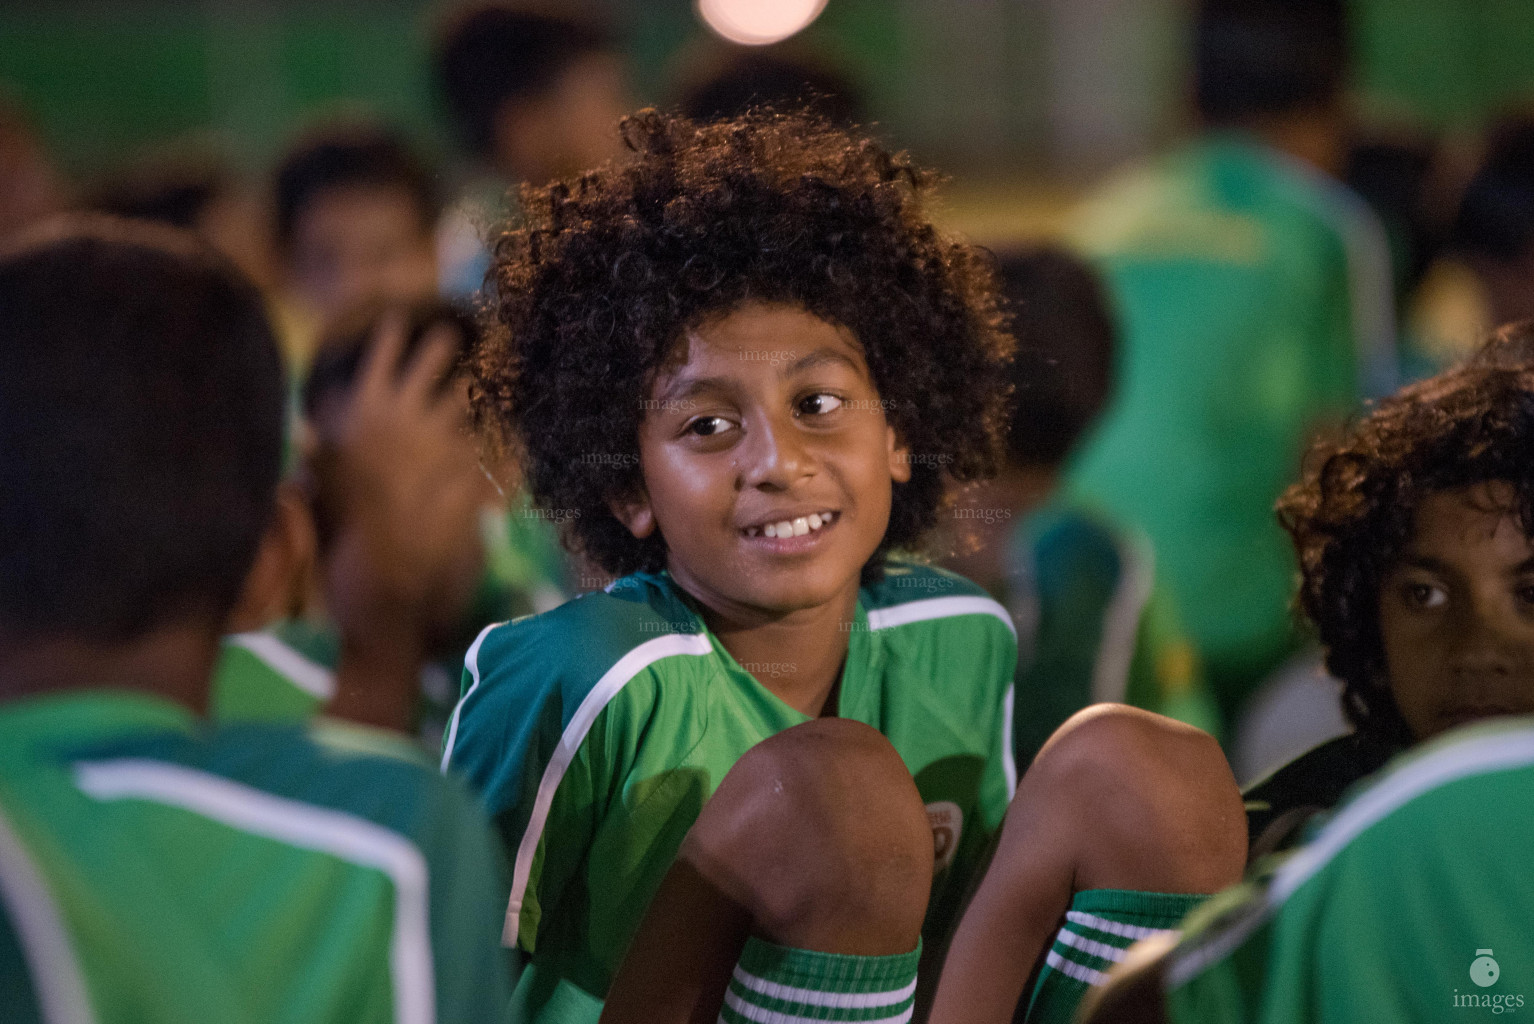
[
  {"x": 1457, "y": 613},
  {"x": 354, "y": 245},
  {"x": 767, "y": 463}
]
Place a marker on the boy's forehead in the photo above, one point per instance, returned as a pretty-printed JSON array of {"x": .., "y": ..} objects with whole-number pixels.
[
  {"x": 759, "y": 338},
  {"x": 1480, "y": 512}
]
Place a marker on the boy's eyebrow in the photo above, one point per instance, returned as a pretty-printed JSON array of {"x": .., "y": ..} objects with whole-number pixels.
[
  {"x": 1432, "y": 564},
  {"x": 1428, "y": 562},
  {"x": 819, "y": 357},
  {"x": 685, "y": 387}
]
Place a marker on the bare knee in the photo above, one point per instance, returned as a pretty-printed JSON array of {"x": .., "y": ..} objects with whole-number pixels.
[
  {"x": 1164, "y": 812},
  {"x": 820, "y": 833}
]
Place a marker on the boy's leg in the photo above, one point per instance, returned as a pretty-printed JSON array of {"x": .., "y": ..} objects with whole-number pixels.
[
  {"x": 1118, "y": 799},
  {"x": 816, "y": 849}
]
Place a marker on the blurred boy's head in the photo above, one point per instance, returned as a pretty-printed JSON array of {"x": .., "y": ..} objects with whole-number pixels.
[
  {"x": 194, "y": 190},
  {"x": 534, "y": 94},
  {"x": 141, "y": 417},
  {"x": 1066, "y": 339},
  {"x": 356, "y": 214},
  {"x": 327, "y": 391},
  {"x": 732, "y": 80},
  {"x": 1277, "y": 67},
  {"x": 1415, "y": 538},
  {"x": 1494, "y": 230}
]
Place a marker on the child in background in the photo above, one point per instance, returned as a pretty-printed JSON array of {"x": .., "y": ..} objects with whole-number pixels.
[
  {"x": 534, "y": 94},
  {"x": 499, "y": 566},
  {"x": 152, "y": 867},
  {"x": 356, "y": 216},
  {"x": 1416, "y": 539},
  {"x": 756, "y": 774},
  {"x": 1093, "y": 625},
  {"x": 1417, "y": 504}
]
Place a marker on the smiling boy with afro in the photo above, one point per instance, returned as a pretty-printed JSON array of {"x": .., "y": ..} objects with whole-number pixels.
[{"x": 753, "y": 773}]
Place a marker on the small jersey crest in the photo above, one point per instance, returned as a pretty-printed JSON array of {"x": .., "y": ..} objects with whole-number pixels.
[{"x": 947, "y": 822}]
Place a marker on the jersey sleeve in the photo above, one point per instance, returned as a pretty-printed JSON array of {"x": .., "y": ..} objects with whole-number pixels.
[
  {"x": 17, "y": 993},
  {"x": 534, "y": 735},
  {"x": 468, "y": 887}
]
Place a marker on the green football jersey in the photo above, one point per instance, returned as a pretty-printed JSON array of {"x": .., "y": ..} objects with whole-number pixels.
[
  {"x": 597, "y": 731},
  {"x": 1412, "y": 903},
  {"x": 282, "y": 674},
  {"x": 1094, "y": 626},
  {"x": 1255, "y": 300},
  {"x": 155, "y": 869}
]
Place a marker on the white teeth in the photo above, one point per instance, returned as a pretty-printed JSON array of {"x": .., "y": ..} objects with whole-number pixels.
[{"x": 796, "y": 527}]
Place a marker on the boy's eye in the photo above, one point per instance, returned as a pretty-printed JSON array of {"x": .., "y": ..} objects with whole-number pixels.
[
  {"x": 819, "y": 404},
  {"x": 708, "y": 426},
  {"x": 1424, "y": 595}
]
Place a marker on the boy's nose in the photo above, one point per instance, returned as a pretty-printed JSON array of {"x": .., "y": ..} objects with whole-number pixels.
[
  {"x": 1487, "y": 645},
  {"x": 775, "y": 455}
]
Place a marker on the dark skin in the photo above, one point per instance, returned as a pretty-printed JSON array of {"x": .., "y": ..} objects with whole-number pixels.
[
  {"x": 1118, "y": 798},
  {"x": 769, "y": 416},
  {"x": 408, "y": 489},
  {"x": 1457, "y": 613}
]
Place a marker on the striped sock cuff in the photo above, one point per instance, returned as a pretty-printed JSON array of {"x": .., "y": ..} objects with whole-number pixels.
[
  {"x": 778, "y": 985},
  {"x": 1099, "y": 927}
]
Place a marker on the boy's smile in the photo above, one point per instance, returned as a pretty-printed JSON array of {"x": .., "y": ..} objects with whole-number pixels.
[
  {"x": 767, "y": 464},
  {"x": 1457, "y": 613}
]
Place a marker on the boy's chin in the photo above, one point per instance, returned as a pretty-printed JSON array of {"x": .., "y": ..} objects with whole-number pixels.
[{"x": 786, "y": 592}]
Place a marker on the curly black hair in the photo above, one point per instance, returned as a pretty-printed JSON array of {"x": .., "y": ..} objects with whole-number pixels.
[
  {"x": 592, "y": 294},
  {"x": 1353, "y": 511}
]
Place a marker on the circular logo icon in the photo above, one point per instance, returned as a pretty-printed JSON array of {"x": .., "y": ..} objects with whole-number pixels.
[
  {"x": 947, "y": 822},
  {"x": 1483, "y": 969}
]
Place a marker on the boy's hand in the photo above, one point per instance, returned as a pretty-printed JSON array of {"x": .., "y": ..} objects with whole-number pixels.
[{"x": 398, "y": 477}]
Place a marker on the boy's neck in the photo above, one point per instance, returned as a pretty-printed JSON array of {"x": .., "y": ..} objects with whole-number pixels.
[
  {"x": 174, "y": 662},
  {"x": 798, "y": 655}
]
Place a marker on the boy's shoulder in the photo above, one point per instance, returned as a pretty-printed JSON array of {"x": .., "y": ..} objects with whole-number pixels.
[
  {"x": 556, "y": 660},
  {"x": 587, "y": 635},
  {"x": 913, "y": 594}
]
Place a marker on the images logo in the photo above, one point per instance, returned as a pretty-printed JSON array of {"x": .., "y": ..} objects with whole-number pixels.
[{"x": 1485, "y": 971}]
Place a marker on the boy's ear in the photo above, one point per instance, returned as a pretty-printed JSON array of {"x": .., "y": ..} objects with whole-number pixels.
[
  {"x": 899, "y": 457},
  {"x": 635, "y": 513},
  {"x": 283, "y": 561}
]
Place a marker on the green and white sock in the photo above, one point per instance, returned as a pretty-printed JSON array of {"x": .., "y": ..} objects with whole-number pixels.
[
  {"x": 1099, "y": 927},
  {"x": 779, "y": 985}
]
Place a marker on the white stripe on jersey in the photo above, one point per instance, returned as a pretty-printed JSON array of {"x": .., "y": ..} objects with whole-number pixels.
[
  {"x": 608, "y": 687},
  {"x": 56, "y": 976},
  {"x": 1474, "y": 755},
  {"x": 346, "y": 836},
  {"x": 470, "y": 662},
  {"x": 937, "y": 608},
  {"x": 1121, "y": 620},
  {"x": 310, "y": 677}
]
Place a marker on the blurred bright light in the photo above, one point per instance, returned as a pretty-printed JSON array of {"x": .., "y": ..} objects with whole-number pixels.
[{"x": 758, "y": 22}]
